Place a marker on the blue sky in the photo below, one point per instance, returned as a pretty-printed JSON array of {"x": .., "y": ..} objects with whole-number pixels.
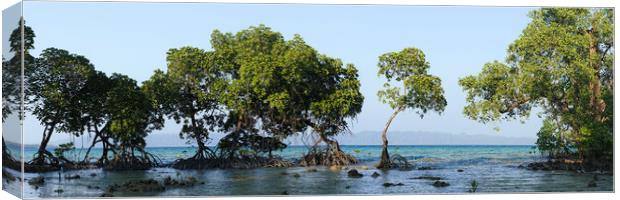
[{"x": 132, "y": 39}]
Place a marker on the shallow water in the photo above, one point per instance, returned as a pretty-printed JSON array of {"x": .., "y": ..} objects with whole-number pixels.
[{"x": 495, "y": 168}]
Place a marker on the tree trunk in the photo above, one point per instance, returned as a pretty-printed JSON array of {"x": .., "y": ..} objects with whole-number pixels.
[
  {"x": 91, "y": 147},
  {"x": 333, "y": 145},
  {"x": 42, "y": 151},
  {"x": 385, "y": 156},
  {"x": 200, "y": 154},
  {"x": 596, "y": 102}
]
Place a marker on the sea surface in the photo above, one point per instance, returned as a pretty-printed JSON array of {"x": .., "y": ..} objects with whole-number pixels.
[{"x": 494, "y": 168}]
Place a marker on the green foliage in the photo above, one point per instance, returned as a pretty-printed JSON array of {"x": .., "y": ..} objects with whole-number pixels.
[
  {"x": 561, "y": 63},
  {"x": 62, "y": 149},
  {"x": 11, "y": 69},
  {"x": 497, "y": 85},
  {"x": 189, "y": 92},
  {"x": 420, "y": 91},
  {"x": 93, "y": 97},
  {"x": 57, "y": 86},
  {"x": 552, "y": 140},
  {"x": 281, "y": 87},
  {"x": 131, "y": 115}
]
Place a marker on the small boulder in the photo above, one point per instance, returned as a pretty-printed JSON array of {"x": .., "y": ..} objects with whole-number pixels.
[
  {"x": 432, "y": 178},
  {"x": 425, "y": 168},
  {"x": 296, "y": 175},
  {"x": 72, "y": 177},
  {"x": 106, "y": 194},
  {"x": 37, "y": 181},
  {"x": 460, "y": 170},
  {"x": 59, "y": 190},
  {"x": 149, "y": 185},
  {"x": 354, "y": 174},
  {"x": 388, "y": 184},
  {"x": 93, "y": 174},
  {"x": 441, "y": 184},
  {"x": 312, "y": 170},
  {"x": 375, "y": 175},
  {"x": 93, "y": 187}
]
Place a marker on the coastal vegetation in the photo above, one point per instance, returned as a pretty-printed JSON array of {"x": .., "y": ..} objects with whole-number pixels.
[
  {"x": 258, "y": 89},
  {"x": 254, "y": 86},
  {"x": 562, "y": 65}
]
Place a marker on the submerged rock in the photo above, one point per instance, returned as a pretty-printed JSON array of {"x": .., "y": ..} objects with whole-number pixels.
[
  {"x": 37, "y": 181},
  {"x": 460, "y": 170},
  {"x": 296, "y": 175},
  {"x": 72, "y": 177},
  {"x": 59, "y": 190},
  {"x": 312, "y": 170},
  {"x": 375, "y": 175},
  {"x": 93, "y": 187},
  {"x": 187, "y": 182},
  {"x": 354, "y": 174},
  {"x": 388, "y": 184},
  {"x": 425, "y": 168},
  {"x": 592, "y": 183},
  {"x": 148, "y": 185},
  {"x": 93, "y": 174},
  {"x": 106, "y": 194},
  {"x": 432, "y": 178},
  {"x": 441, "y": 184}
]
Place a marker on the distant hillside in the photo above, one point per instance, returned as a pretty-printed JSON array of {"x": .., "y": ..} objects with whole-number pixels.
[
  {"x": 14, "y": 145},
  {"x": 434, "y": 138},
  {"x": 374, "y": 138}
]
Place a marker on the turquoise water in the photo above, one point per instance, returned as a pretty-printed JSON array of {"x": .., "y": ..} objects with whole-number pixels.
[
  {"x": 441, "y": 154},
  {"x": 495, "y": 168}
]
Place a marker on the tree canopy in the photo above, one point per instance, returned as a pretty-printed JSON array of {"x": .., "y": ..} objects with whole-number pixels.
[
  {"x": 57, "y": 84},
  {"x": 279, "y": 87},
  {"x": 563, "y": 64}
]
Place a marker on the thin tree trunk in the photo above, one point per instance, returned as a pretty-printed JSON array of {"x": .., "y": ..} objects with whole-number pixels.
[
  {"x": 91, "y": 147},
  {"x": 385, "y": 156},
  {"x": 42, "y": 152}
]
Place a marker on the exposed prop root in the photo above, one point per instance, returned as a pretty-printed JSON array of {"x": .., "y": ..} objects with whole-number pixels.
[
  {"x": 276, "y": 163},
  {"x": 194, "y": 163},
  {"x": 397, "y": 162},
  {"x": 253, "y": 162},
  {"x": 129, "y": 162},
  {"x": 326, "y": 157}
]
